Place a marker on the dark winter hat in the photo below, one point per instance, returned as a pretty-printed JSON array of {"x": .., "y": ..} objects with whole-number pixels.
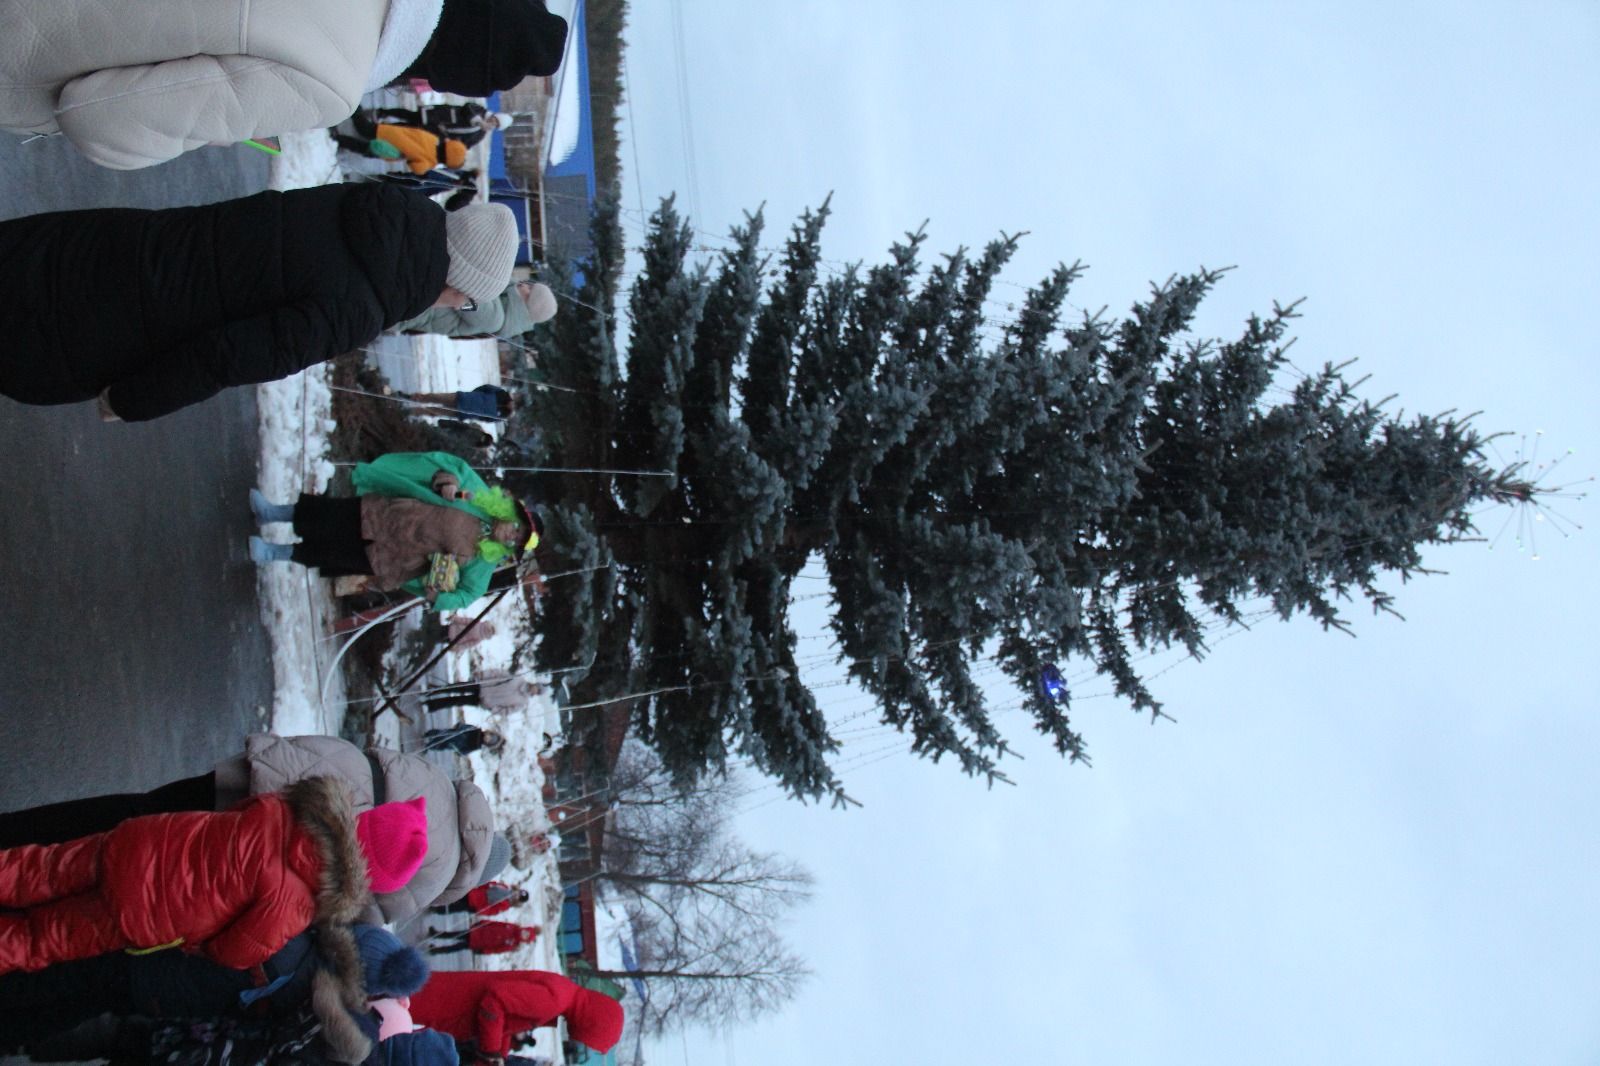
[
  {"x": 482, "y": 242},
  {"x": 532, "y": 523},
  {"x": 499, "y": 856},
  {"x": 484, "y": 46},
  {"x": 425, "y": 1047},
  {"x": 389, "y": 967}
]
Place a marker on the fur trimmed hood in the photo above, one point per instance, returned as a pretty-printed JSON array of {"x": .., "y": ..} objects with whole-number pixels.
[
  {"x": 407, "y": 25},
  {"x": 323, "y": 809},
  {"x": 460, "y": 821}
]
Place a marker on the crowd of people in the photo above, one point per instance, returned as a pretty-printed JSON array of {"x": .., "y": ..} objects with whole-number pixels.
[
  {"x": 240, "y": 916},
  {"x": 150, "y": 311},
  {"x": 422, "y": 522},
  {"x": 249, "y": 904}
]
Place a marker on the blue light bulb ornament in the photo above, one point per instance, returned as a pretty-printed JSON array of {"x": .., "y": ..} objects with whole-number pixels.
[{"x": 1052, "y": 686}]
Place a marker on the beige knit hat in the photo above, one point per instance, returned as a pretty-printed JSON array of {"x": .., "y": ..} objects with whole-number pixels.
[
  {"x": 540, "y": 301},
  {"x": 482, "y": 242}
]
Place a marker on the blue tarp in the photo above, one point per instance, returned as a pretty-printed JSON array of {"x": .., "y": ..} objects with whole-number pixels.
[
  {"x": 569, "y": 184},
  {"x": 580, "y": 159},
  {"x": 630, "y": 961}
]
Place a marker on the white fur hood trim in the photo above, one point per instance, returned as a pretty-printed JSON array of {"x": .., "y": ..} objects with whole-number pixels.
[{"x": 406, "y": 28}]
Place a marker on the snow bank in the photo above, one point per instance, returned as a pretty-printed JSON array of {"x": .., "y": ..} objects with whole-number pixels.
[
  {"x": 431, "y": 363},
  {"x": 309, "y": 158},
  {"x": 295, "y": 422},
  {"x": 296, "y": 606}
]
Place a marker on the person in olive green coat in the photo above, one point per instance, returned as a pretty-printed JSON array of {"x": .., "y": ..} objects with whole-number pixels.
[
  {"x": 513, "y": 313},
  {"x": 423, "y": 522}
]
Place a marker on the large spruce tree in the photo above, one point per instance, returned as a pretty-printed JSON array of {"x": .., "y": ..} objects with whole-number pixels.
[{"x": 1025, "y": 492}]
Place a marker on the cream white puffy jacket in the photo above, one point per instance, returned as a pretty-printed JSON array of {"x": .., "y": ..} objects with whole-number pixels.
[{"x": 136, "y": 82}]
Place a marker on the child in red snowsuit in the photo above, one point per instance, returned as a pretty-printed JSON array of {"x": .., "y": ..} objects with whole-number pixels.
[
  {"x": 484, "y": 938},
  {"x": 492, "y": 1006},
  {"x": 232, "y": 885},
  {"x": 487, "y": 900}
]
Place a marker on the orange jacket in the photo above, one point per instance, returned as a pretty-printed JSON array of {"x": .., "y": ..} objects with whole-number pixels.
[{"x": 422, "y": 150}]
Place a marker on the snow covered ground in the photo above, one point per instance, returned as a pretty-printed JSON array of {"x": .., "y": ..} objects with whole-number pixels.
[
  {"x": 298, "y": 608},
  {"x": 308, "y": 697},
  {"x": 429, "y": 363}
]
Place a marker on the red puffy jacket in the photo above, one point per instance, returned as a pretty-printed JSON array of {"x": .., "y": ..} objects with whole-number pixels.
[
  {"x": 234, "y": 885},
  {"x": 493, "y": 938},
  {"x": 478, "y": 899},
  {"x": 492, "y": 1006}
]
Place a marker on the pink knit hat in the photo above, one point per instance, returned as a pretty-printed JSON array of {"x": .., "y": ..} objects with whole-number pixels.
[{"x": 394, "y": 839}]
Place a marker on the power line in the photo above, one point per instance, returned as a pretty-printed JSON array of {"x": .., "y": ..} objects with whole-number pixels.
[
  {"x": 685, "y": 110},
  {"x": 633, "y": 128}
]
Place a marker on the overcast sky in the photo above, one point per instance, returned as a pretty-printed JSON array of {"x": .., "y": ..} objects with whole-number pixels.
[{"x": 1374, "y": 850}]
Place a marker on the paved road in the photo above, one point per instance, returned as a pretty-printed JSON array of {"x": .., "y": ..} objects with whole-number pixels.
[{"x": 131, "y": 646}]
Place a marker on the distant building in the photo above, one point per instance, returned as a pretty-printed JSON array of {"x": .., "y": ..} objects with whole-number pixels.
[
  {"x": 577, "y": 796},
  {"x": 551, "y": 185},
  {"x": 568, "y": 192}
]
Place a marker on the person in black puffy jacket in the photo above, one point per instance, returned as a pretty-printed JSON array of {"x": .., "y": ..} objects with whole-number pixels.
[{"x": 151, "y": 311}]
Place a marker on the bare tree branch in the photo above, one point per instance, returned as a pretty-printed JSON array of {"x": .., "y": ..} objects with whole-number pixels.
[{"x": 704, "y": 907}]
